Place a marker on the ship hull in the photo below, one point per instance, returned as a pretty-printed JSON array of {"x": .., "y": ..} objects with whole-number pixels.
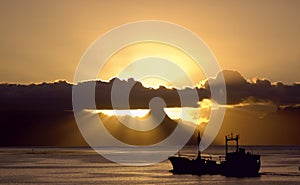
[
  {"x": 241, "y": 167},
  {"x": 238, "y": 163},
  {"x": 183, "y": 165}
]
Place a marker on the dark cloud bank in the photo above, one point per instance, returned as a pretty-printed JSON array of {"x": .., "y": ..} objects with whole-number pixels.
[
  {"x": 239, "y": 90},
  {"x": 40, "y": 114}
]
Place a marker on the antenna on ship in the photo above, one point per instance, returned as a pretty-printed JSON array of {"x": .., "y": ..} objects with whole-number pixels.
[{"x": 199, "y": 139}]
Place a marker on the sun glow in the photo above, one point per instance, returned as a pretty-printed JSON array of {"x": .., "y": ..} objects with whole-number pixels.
[
  {"x": 205, "y": 104},
  {"x": 155, "y": 82},
  {"x": 131, "y": 54}
]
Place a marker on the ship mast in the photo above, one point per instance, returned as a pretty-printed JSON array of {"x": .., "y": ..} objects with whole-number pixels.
[{"x": 199, "y": 139}]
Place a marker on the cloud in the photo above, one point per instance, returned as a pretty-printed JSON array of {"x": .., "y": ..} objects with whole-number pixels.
[
  {"x": 39, "y": 114},
  {"x": 262, "y": 90},
  {"x": 44, "y": 96},
  {"x": 58, "y": 95}
]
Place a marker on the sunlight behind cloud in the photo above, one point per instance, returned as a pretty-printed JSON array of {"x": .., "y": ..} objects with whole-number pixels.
[
  {"x": 133, "y": 113},
  {"x": 127, "y": 55},
  {"x": 155, "y": 82},
  {"x": 187, "y": 114}
]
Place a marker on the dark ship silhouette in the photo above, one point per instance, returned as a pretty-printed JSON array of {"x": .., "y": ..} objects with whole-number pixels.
[{"x": 238, "y": 163}]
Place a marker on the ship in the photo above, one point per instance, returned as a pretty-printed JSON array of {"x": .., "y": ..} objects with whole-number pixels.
[{"x": 238, "y": 163}]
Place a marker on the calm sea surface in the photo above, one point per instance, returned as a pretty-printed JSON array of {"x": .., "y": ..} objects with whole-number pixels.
[{"x": 84, "y": 166}]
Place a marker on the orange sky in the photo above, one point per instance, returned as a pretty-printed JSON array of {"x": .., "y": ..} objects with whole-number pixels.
[{"x": 44, "y": 40}]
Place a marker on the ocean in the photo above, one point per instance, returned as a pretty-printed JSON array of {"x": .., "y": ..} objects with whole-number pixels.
[{"x": 80, "y": 165}]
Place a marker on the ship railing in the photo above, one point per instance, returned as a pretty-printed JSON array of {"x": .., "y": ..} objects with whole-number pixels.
[{"x": 217, "y": 158}]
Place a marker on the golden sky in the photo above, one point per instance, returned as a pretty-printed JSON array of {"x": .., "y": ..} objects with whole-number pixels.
[{"x": 44, "y": 40}]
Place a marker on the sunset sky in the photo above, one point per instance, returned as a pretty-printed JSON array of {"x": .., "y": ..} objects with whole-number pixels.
[
  {"x": 255, "y": 42},
  {"x": 44, "y": 40}
]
